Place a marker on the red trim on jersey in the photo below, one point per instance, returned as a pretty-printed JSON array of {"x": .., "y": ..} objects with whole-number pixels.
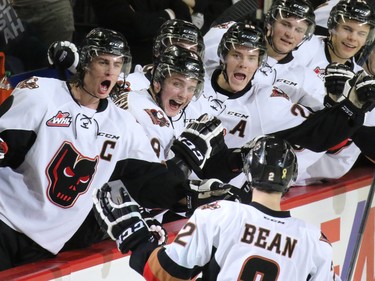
[{"x": 338, "y": 146}]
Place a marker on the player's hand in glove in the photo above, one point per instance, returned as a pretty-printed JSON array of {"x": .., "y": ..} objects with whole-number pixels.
[
  {"x": 120, "y": 217},
  {"x": 3, "y": 149},
  {"x": 205, "y": 191},
  {"x": 336, "y": 75},
  {"x": 360, "y": 90},
  {"x": 155, "y": 226},
  {"x": 63, "y": 55},
  {"x": 200, "y": 140}
]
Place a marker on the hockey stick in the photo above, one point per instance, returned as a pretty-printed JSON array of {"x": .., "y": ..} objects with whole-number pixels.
[{"x": 357, "y": 245}]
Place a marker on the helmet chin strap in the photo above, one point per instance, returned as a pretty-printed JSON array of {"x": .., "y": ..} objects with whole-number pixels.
[
  {"x": 274, "y": 48},
  {"x": 224, "y": 71},
  {"x": 270, "y": 42},
  {"x": 83, "y": 88}
]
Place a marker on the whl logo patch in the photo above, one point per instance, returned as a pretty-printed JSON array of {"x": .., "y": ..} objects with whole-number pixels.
[{"x": 61, "y": 119}]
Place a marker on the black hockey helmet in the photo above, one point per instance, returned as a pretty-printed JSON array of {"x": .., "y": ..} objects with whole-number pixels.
[
  {"x": 175, "y": 32},
  {"x": 359, "y": 11},
  {"x": 271, "y": 164},
  {"x": 301, "y": 9},
  {"x": 176, "y": 59},
  {"x": 104, "y": 41},
  {"x": 242, "y": 34}
]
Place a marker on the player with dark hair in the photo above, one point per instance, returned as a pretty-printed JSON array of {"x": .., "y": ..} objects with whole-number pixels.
[
  {"x": 229, "y": 240},
  {"x": 60, "y": 139}
]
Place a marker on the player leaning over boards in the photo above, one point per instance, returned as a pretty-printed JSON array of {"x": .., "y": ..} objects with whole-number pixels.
[
  {"x": 60, "y": 139},
  {"x": 230, "y": 240},
  {"x": 249, "y": 109},
  {"x": 351, "y": 27}
]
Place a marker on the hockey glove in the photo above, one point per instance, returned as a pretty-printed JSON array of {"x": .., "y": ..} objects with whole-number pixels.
[
  {"x": 155, "y": 226},
  {"x": 63, "y": 55},
  {"x": 366, "y": 92},
  {"x": 120, "y": 217},
  {"x": 200, "y": 140},
  {"x": 360, "y": 90},
  {"x": 336, "y": 75},
  {"x": 3, "y": 149},
  {"x": 205, "y": 191}
]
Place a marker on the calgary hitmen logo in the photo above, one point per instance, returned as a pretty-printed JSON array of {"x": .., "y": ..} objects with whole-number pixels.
[{"x": 61, "y": 119}]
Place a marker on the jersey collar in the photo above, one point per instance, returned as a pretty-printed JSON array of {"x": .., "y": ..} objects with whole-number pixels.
[{"x": 270, "y": 212}]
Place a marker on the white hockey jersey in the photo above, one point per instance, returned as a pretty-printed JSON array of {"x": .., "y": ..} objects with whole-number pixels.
[
  {"x": 287, "y": 74},
  {"x": 46, "y": 188},
  {"x": 258, "y": 110},
  {"x": 338, "y": 162},
  {"x": 152, "y": 118},
  {"x": 313, "y": 55},
  {"x": 242, "y": 242}
]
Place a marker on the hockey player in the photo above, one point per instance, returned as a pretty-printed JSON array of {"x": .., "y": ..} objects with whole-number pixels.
[
  {"x": 248, "y": 110},
  {"x": 177, "y": 77},
  {"x": 288, "y": 24},
  {"x": 229, "y": 240},
  {"x": 351, "y": 26},
  {"x": 60, "y": 139}
]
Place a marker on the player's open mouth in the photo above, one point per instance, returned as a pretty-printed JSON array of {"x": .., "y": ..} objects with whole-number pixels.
[
  {"x": 104, "y": 86},
  {"x": 174, "y": 105},
  {"x": 240, "y": 76}
]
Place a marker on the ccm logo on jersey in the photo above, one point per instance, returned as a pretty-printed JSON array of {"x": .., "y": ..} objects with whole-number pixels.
[
  {"x": 286, "y": 82},
  {"x": 240, "y": 115},
  {"x": 61, "y": 119}
]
